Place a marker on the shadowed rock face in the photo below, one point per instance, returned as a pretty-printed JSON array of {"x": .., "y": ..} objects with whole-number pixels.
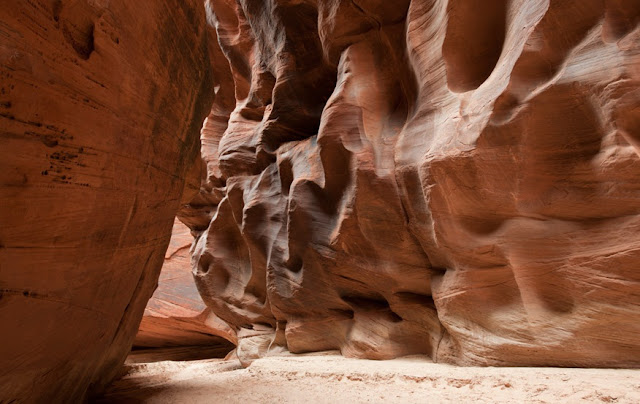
[
  {"x": 101, "y": 103},
  {"x": 427, "y": 176}
]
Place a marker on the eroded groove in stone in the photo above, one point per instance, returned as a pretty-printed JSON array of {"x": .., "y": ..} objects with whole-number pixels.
[{"x": 475, "y": 36}]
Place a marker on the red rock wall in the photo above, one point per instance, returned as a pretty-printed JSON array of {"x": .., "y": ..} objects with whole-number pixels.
[
  {"x": 101, "y": 103},
  {"x": 455, "y": 178}
]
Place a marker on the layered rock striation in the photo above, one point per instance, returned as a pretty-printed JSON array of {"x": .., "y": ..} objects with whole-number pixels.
[
  {"x": 101, "y": 105},
  {"x": 452, "y": 178}
]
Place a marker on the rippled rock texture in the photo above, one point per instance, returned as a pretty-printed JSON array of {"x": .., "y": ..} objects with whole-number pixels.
[
  {"x": 455, "y": 178},
  {"x": 101, "y": 104}
]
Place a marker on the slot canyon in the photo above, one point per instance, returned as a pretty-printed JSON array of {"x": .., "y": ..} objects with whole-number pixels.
[{"x": 451, "y": 180}]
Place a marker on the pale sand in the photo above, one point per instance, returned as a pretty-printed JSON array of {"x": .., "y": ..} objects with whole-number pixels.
[{"x": 331, "y": 378}]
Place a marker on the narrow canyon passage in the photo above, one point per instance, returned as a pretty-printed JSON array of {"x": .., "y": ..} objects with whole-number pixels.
[
  {"x": 452, "y": 179},
  {"x": 173, "y": 326}
]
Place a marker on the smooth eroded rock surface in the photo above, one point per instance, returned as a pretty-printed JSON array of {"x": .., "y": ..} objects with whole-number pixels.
[
  {"x": 101, "y": 103},
  {"x": 455, "y": 178}
]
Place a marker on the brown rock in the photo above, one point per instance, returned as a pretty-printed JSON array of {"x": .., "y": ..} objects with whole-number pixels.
[
  {"x": 451, "y": 178},
  {"x": 101, "y": 103}
]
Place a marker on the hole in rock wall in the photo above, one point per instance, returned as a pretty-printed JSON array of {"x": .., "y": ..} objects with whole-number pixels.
[{"x": 173, "y": 326}]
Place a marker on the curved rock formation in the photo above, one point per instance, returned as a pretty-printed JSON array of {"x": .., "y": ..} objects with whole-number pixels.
[
  {"x": 452, "y": 178},
  {"x": 101, "y": 103}
]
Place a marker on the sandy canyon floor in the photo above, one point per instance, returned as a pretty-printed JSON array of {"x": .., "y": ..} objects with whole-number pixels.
[{"x": 330, "y": 378}]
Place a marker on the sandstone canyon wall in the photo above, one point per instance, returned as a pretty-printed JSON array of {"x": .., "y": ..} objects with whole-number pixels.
[
  {"x": 101, "y": 104},
  {"x": 454, "y": 178}
]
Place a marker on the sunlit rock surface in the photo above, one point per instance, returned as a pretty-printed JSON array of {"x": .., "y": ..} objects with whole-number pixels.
[
  {"x": 101, "y": 104},
  {"x": 454, "y": 178}
]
